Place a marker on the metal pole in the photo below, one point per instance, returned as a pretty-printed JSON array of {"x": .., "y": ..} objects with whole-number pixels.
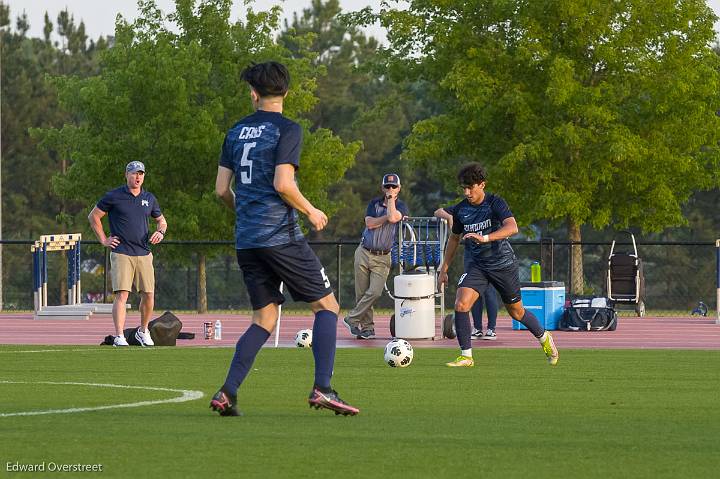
[
  {"x": 277, "y": 326},
  {"x": 339, "y": 262},
  {"x": 717, "y": 284},
  {"x": 105, "y": 274},
  {"x": 43, "y": 296},
  {"x": 547, "y": 260},
  {"x": 78, "y": 290},
  {"x": 570, "y": 278},
  {"x": 400, "y": 246},
  {"x": 443, "y": 239},
  {"x": 36, "y": 279},
  {"x": 70, "y": 260}
]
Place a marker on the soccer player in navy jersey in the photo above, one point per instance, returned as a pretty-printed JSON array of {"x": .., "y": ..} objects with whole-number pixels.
[
  {"x": 487, "y": 299},
  {"x": 484, "y": 222},
  {"x": 262, "y": 152}
]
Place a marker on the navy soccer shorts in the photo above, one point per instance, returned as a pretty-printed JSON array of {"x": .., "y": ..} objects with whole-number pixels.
[
  {"x": 505, "y": 280},
  {"x": 295, "y": 264}
]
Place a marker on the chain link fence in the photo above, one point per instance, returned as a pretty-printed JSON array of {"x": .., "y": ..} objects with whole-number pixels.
[{"x": 677, "y": 274}]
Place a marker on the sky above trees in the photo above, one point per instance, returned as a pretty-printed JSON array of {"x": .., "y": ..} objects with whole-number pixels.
[{"x": 99, "y": 17}]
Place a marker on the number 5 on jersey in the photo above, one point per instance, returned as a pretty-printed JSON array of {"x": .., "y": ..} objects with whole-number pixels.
[
  {"x": 326, "y": 280},
  {"x": 246, "y": 175}
]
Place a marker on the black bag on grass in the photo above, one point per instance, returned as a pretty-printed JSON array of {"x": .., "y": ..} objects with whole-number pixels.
[
  {"x": 589, "y": 314},
  {"x": 164, "y": 331}
]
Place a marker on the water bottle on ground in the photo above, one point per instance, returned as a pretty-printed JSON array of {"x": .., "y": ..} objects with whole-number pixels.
[
  {"x": 218, "y": 330},
  {"x": 535, "y": 274}
]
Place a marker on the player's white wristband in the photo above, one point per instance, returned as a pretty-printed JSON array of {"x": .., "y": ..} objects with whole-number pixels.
[{"x": 486, "y": 238}]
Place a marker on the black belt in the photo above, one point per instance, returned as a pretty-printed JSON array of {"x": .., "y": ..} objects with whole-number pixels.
[{"x": 376, "y": 252}]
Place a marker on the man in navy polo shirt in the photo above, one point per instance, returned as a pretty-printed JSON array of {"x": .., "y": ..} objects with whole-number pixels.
[
  {"x": 128, "y": 208},
  {"x": 372, "y": 257}
]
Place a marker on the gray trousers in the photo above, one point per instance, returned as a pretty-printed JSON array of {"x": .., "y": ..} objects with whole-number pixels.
[{"x": 371, "y": 272}]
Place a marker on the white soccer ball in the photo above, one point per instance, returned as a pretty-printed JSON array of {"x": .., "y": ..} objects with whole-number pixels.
[
  {"x": 398, "y": 353},
  {"x": 303, "y": 338}
]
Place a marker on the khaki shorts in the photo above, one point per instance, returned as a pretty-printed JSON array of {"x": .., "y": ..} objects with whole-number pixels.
[{"x": 132, "y": 273}]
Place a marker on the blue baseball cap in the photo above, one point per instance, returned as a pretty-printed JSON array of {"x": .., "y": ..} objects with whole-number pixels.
[
  {"x": 134, "y": 166},
  {"x": 391, "y": 179}
]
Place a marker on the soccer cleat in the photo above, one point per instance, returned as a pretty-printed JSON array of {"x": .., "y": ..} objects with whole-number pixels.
[
  {"x": 332, "y": 401},
  {"x": 476, "y": 334},
  {"x": 120, "y": 341},
  {"x": 549, "y": 349},
  {"x": 461, "y": 362},
  {"x": 144, "y": 338},
  {"x": 490, "y": 335},
  {"x": 224, "y": 404},
  {"x": 366, "y": 334},
  {"x": 354, "y": 330}
]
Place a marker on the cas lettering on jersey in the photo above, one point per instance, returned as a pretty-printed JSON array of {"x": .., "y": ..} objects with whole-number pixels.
[{"x": 250, "y": 132}]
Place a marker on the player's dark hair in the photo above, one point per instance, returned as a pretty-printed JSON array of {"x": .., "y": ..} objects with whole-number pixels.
[
  {"x": 472, "y": 174},
  {"x": 267, "y": 79}
]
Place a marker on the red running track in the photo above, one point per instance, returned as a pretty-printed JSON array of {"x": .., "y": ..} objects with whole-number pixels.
[{"x": 632, "y": 332}]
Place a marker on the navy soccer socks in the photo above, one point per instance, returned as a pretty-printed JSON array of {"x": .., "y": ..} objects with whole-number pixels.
[
  {"x": 323, "y": 346},
  {"x": 463, "y": 330},
  {"x": 531, "y": 322},
  {"x": 477, "y": 314},
  {"x": 246, "y": 349}
]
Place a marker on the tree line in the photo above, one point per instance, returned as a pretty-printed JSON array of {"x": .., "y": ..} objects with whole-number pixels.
[{"x": 590, "y": 116}]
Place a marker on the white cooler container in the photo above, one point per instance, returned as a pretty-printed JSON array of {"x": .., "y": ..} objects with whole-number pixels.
[{"x": 415, "y": 306}]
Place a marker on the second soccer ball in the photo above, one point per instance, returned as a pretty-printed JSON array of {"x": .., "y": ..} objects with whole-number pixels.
[
  {"x": 303, "y": 338},
  {"x": 398, "y": 353}
]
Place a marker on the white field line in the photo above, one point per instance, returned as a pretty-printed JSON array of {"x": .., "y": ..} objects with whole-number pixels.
[
  {"x": 187, "y": 395},
  {"x": 53, "y": 350}
]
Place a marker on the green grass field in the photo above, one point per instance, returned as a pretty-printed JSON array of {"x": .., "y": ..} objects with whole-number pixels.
[{"x": 599, "y": 413}]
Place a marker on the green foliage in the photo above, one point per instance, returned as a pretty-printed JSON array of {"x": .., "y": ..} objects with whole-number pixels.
[
  {"x": 357, "y": 102},
  {"x": 29, "y": 207},
  {"x": 600, "y": 113},
  {"x": 325, "y": 160},
  {"x": 166, "y": 94}
]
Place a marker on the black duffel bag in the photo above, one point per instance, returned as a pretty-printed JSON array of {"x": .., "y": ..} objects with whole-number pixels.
[
  {"x": 164, "y": 331},
  {"x": 589, "y": 315}
]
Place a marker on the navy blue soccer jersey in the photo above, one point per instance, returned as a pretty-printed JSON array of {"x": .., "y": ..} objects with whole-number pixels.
[
  {"x": 253, "y": 147},
  {"x": 483, "y": 219},
  {"x": 127, "y": 215}
]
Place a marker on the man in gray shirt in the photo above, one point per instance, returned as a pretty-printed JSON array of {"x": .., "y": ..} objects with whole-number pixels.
[{"x": 372, "y": 257}]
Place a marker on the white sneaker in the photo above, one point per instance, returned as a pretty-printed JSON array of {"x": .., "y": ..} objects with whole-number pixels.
[
  {"x": 144, "y": 338},
  {"x": 120, "y": 341},
  {"x": 476, "y": 334},
  {"x": 490, "y": 335}
]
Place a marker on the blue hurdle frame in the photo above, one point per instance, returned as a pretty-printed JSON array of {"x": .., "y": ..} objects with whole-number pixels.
[{"x": 60, "y": 242}]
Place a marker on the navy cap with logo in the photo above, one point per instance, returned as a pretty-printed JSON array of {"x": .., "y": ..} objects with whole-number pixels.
[
  {"x": 134, "y": 166},
  {"x": 391, "y": 179}
]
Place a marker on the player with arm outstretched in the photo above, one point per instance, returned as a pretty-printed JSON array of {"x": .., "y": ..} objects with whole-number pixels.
[
  {"x": 262, "y": 153},
  {"x": 484, "y": 221},
  {"x": 488, "y": 299}
]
